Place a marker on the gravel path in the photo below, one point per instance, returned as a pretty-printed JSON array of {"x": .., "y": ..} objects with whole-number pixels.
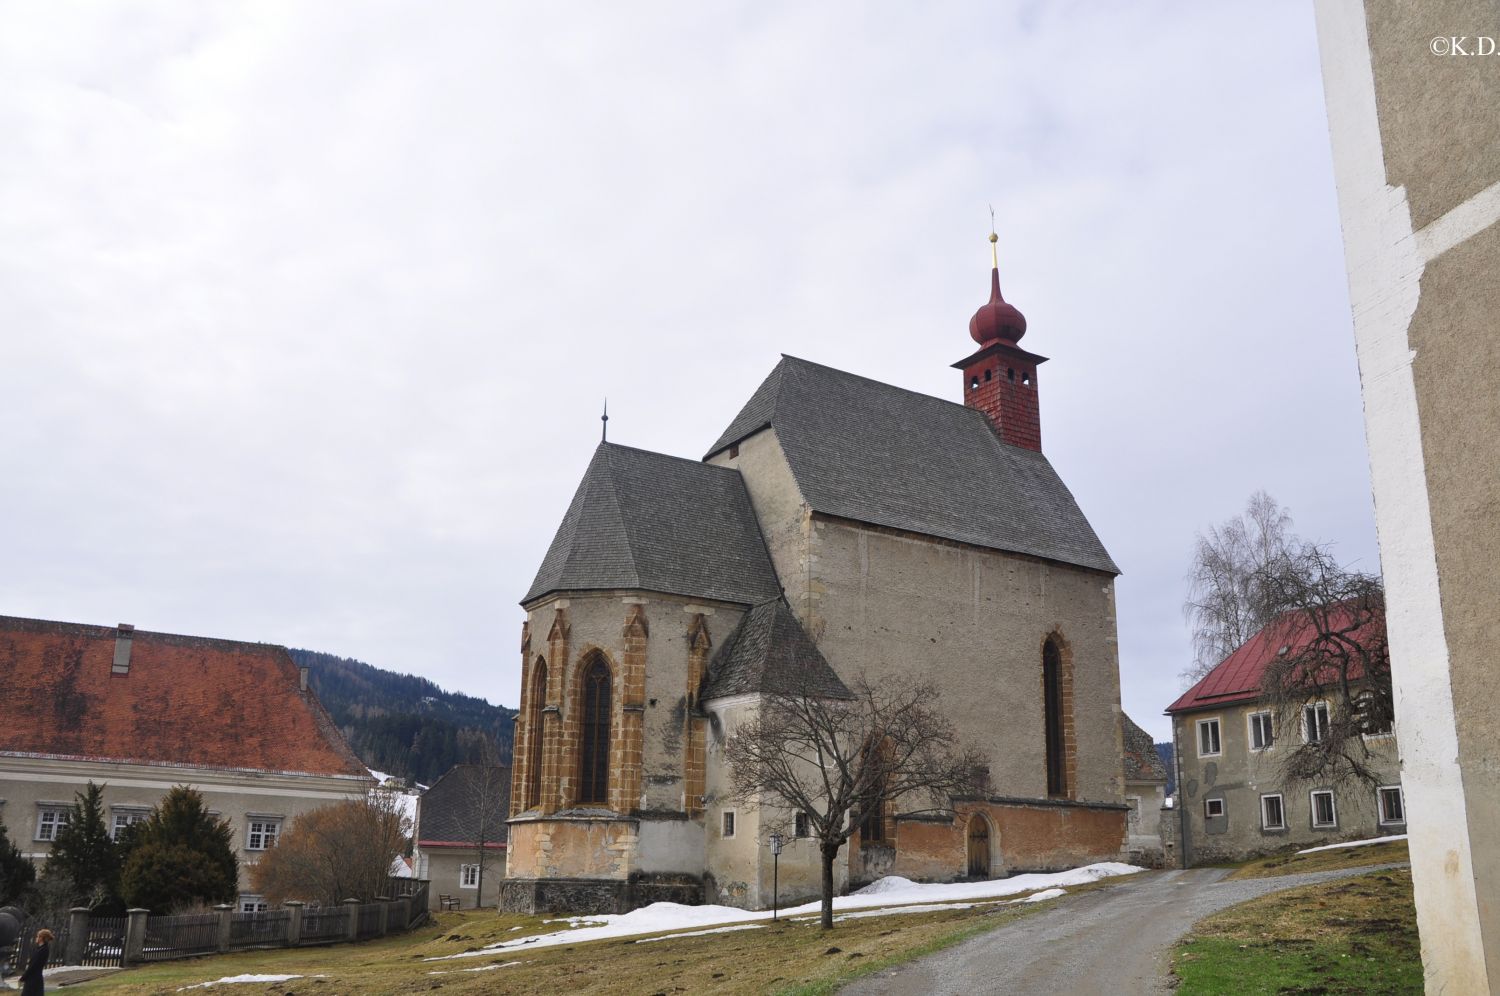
[{"x": 1114, "y": 940}]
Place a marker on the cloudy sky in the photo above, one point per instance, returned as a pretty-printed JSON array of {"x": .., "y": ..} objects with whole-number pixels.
[{"x": 307, "y": 310}]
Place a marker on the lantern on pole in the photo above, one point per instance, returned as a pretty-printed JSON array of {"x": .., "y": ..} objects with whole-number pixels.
[{"x": 775, "y": 872}]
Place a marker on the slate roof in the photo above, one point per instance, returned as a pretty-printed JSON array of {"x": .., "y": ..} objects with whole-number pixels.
[
  {"x": 1237, "y": 678},
  {"x": 1142, "y": 762},
  {"x": 880, "y": 454},
  {"x": 659, "y": 523},
  {"x": 185, "y": 700},
  {"x": 769, "y": 651},
  {"x": 452, "y": 812}
]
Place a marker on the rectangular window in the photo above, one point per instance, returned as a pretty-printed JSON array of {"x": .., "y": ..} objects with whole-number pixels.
[
  {"x": 1208, "y": 737},
  {"x": 1272, "y": 813},
  {"x": 729, "y": 823},
  {"x": 1392, "y": 804},
  {"x": 468, "y": 876},
  {"x": 800, "y": 826},
  {"x": 1260, "y": 731},
  {"x": 1315, "y": 722},
  {"x": 1323, "y": 812},
  {"x": 263, "y": 834},
  {"x": 1213, "y": 808},
  {"x": 49, "y": 821},
  {"x": 253, "y": 904},
  {"x": 125, "y": 818}
]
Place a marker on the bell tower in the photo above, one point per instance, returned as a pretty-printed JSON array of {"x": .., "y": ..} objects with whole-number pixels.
[{"x": 1001, "y": 378}]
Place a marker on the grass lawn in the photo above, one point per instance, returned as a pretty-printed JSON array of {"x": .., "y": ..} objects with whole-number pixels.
[
  {"x": 794, "y": 957},
  {"x": 1292, "y": 863},
  {"x": 1356, "y": 935}
]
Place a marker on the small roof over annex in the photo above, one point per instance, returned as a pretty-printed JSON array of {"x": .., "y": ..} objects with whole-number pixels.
[
  {"x": 467, "y": 803},
  {"x": 104, "y": 693},
  {"x": 883, "y": 455},
  {"x": 770, "y": 652},
  {"x": 650, "y": 522}
]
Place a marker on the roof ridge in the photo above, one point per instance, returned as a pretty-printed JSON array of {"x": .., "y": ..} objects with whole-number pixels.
[
  {"x": 669, "y": 456},
  {"x": 614, "y": 496},
  {"x": 59, "y": 626},
  {"x": 888, "y": 386}
]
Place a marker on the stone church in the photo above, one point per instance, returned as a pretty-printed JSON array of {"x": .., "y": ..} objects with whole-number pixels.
[{"x": 838, "y": 524}]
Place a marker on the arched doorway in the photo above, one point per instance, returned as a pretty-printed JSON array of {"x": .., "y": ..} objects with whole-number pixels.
[{"x": 979, "y": 846}]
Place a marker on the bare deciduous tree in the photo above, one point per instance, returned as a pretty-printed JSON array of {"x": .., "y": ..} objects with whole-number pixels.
[
  {"x": 1331, "y": 677},
  {"x": 838, "y": 759},
  {"x": 483, "y": 820},
  {"x": 1226, "y": 604},
  {"x": 335, "y": 852}
]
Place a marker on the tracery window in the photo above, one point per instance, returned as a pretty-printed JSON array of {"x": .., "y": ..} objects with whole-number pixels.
[
  {"x": 533, "y": 795},
  {"x": 593, "y": 757}
]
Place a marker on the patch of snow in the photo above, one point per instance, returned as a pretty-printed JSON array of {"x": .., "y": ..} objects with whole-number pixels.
[
  {"x": 481, "y": 968},
  {"x": 1044, "y": 895},
  {"x": 700, "y": 933},
  {"x": 232, "y": 979},
  {"x": 1354, "y": 843},
  {"x": 894, "y": 891}
]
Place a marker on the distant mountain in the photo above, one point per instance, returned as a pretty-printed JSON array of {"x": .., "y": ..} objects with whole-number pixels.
[
  {"x": 405, "y": 725},
  {"x": 1164, "y": 751}
]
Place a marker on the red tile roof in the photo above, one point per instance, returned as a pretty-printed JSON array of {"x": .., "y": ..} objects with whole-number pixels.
[
  {"x": 1237, "y": 678},
  {"x": 185, "y": 700}
]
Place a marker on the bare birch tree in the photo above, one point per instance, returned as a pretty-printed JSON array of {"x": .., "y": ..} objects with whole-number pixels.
[
  {"x": 1330, "y": 680},
  {"x": 483, "y": 819},
  {"x": 837, "y": 760},
  {"x": 1226, "y": 603}
]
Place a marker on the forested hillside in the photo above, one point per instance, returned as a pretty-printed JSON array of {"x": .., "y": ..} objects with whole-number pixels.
[{"x": 405, "y": 725}]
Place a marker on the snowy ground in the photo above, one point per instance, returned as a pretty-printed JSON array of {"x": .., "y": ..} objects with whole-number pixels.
[
  {"x": 230, "y": 980},
  {"x": 1353, "y": 843},
  {"x": 406, "y": 798},
  {"x": 882, "y": 898}
]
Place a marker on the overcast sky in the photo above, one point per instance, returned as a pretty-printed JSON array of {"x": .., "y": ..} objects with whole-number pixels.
[{"x": 307, "y": 310}]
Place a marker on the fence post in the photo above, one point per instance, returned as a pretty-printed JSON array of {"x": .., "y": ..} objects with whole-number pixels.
[
  {"x": 226, "y": 918},
  {"x": 135, "y": 935},
  {"x": 353, "y": 906},
  {"x": 405, "y": 912},
  {"x": 294, "y": 925},
  {"x": 78, "y": 936},
  {"x": 385, "y": 915}
]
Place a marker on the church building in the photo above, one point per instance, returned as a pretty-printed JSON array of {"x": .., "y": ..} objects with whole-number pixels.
[{"x": 837, "y": 525}]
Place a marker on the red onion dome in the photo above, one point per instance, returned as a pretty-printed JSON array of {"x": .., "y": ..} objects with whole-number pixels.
[{"x": 997, "y": 319}]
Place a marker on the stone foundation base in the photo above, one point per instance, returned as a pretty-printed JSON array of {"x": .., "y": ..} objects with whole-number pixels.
[{"x": 594, "y": 895}]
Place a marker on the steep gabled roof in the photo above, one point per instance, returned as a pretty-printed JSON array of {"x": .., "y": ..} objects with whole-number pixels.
[
  {"x": 184, "y": 700},
  {"x": 1237, "y": 678},
  {"x": 467, "y": 802},
  {"x": 868, "y": 451},
  {"x": 1142, "y": 762},
  {"x": 769, "y": 651},
  {"x": 659, "y": 523}
]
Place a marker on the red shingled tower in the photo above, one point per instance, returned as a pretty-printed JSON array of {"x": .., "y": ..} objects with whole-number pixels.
[{"x": 1000, "y": 380}]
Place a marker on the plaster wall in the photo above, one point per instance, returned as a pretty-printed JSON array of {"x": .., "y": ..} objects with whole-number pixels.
[
  {"x": 443, "y": 869},
  {"x": 28, "y": 783},
  {"x": 1239, "y": 776},
  {"x": 1416, "y": 147}
]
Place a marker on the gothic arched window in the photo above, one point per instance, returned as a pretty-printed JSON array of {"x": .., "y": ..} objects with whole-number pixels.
[
  {"x": 593, "y": 755},
  {"x": 533, "y": 796},
  {"x": 1052, "y": 706}
]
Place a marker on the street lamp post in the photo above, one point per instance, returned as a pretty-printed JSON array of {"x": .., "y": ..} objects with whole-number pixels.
[{"x": 775, "y": 872}]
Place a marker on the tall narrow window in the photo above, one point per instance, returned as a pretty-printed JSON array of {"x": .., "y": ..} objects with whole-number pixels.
[
  {"x": 534, "y": 735},
  {"x": 1057, "y": 772},
  {"x": 593, "y": 760}
]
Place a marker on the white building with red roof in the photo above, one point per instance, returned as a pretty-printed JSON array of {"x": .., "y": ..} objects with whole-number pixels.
[
  {"x": 139, "y": 713},
  {"x": 1234, "y": 798}
]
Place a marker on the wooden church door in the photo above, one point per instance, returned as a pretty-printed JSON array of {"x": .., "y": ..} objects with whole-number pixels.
[{"x": 979, "y": 847}]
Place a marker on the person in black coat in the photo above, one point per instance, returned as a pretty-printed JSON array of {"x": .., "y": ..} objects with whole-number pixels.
[{"x": 31, "y": 978}]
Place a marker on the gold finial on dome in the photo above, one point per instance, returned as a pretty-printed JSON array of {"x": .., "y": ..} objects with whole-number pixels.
[{"x": 994, "y": 259}]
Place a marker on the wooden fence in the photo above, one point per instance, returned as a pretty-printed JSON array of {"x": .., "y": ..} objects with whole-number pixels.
[{"x": 139, "y": 937}]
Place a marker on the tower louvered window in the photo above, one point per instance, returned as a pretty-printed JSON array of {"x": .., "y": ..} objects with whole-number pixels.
[
  {"x": 593, "y": 761},
  {"x": 1057, "y": 771}
]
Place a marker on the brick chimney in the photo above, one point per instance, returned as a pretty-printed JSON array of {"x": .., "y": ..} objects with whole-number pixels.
[
  {"x": 1001, "y": 379},
  {"x": 123, "y": 635}
]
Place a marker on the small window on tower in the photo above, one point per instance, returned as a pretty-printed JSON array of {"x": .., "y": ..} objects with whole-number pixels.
[
  {"x": 973, "y": 382},
  {"x": 987, "y": 375},
  {"x": 1026, "y": 377},
  {"x": 1010, "y": 375},
  {"x": 734, "y": 451}
]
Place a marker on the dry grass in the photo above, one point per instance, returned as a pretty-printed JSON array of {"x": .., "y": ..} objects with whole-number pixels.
[
  {"x": 1292, "y": 863},
  {"x": 789, "y": 957},
  {"x": 1350, "y": 936}
]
